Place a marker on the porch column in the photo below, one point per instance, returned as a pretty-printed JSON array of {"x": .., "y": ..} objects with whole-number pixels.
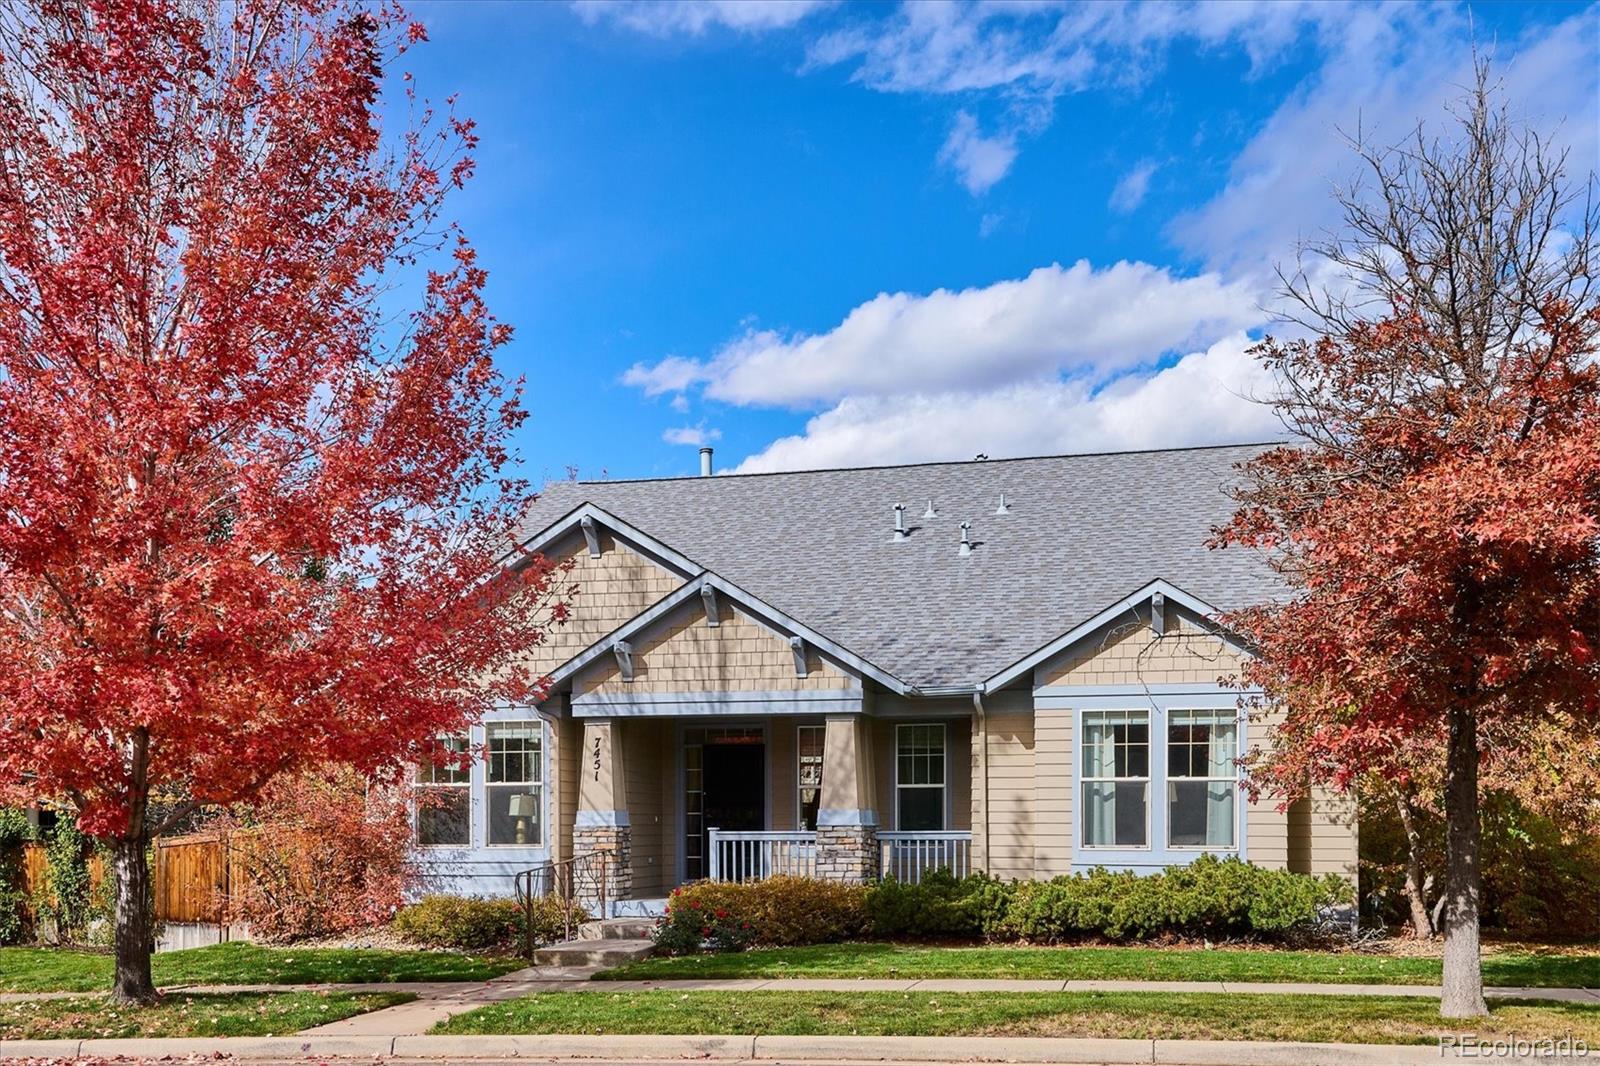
[
  {"x": 847, "y": 824},
  {"x": 602, "y": 819}
]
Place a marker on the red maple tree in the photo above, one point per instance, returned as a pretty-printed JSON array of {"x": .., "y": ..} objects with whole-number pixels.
[
  {"x": 1438, "y": 517},
  {"x": 252, "y": 516}
]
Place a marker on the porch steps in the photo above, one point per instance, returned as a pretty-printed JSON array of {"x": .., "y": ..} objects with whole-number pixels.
[{"x": 598, "y": 952}]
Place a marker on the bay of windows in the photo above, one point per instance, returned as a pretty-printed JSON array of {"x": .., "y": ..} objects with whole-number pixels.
[{"x": 1191, "y": 760}]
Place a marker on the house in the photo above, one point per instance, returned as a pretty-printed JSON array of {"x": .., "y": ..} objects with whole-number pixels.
[{"x": 1004, "y": 665}]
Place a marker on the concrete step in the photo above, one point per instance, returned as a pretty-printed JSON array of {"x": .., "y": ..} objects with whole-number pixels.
[
  {"x": 605, "y": 953},
  {"x": 617, "y": 929}
]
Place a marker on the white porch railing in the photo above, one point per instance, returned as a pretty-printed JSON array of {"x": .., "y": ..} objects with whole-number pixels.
[
  {"x": 906, "y": 855},
  {"x": 750, "y": 855}
]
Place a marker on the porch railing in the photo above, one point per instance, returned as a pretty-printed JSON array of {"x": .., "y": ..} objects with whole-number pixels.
[
  {"x": 581, "y": 883},
  {"x": 902, "y": 854},
  {"x": 749, "y": 855},
  {"x": 906, "y": 855}
]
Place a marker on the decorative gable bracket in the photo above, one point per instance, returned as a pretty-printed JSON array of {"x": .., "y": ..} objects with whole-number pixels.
[
  {"x": 591, "y": 536},
  {"x": 624, "y": 653},
  {"x": 798, "y": 646},
  {"x": 1158, "y": 614},
  {"x": 708, "y": 597}
]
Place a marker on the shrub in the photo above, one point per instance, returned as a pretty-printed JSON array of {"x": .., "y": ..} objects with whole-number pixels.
[
  {"x": 461, "y": 922},
  {"x": 940, "y": 905},
  {"x": 547, "y": 919},
  {"x": 1211, "y": 897},
  {"x": 777, "y": 912}
]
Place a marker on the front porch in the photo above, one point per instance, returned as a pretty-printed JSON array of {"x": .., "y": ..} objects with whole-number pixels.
[{"x": 850, "y": 797}]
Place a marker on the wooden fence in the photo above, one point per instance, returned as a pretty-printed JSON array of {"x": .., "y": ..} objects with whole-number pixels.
[{"x": 191, "y": 879}]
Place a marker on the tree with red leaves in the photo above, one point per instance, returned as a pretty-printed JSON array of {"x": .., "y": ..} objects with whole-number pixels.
[
  {"x": 253, "y": 518},
  {"x": 1438, "y": 519}
]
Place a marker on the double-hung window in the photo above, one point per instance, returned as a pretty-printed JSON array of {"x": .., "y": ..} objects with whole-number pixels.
[
  {"x": 919, "y": 776},
  {"x": 444, "y": 801},
  {"x": 808, "y": 745},
  {"x": 1116, "y": 779},
  {"x": 1202, "y": 780},
  {"x": 514, "y": 789}
]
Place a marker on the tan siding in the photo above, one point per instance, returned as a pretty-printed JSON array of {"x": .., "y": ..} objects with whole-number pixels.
[
  {"x": 1129, "y": 653},
  {"x": 605, "y": 593},
  {"x": 1331, "y": 825},
  {"x": 568, "y": 734},
  {"x": 1052, "y": 791},
  {"x": 1266, "y": 827},
  {"x": 1011, "y": 783},
  {"x": 782, "y": 801},
  {"x": 684, "y": 654},
  {"x": 958, "y": 741},
  {"x": 645, "y": 745},
  {"x": 883, "y": 770}
]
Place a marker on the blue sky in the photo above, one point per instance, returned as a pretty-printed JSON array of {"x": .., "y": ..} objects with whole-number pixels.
[{"x": 828, "y": 234}]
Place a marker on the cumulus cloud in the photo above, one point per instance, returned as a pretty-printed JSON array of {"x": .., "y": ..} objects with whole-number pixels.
[
  {"x": 665, "y": 18},
  {"x": 694, "y": 436},
  {"x": 978, "y": 161},
  {"x": 1130, "y": 190},
  {"x": 1056, "y": 319},
  {"x": 1207, "y": 397}
]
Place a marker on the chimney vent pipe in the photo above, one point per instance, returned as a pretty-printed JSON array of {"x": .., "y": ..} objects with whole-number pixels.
[
  {"x": 966, "y": 539},
  {"x": 930, "y": 512},
  {"x": 705, "y": 462},
  {"x": 1002, "y": 509},
  {"x": 899, "y": 522}
]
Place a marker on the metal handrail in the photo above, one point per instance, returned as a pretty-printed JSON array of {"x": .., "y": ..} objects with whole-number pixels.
[{"x": 573, "y": 881}]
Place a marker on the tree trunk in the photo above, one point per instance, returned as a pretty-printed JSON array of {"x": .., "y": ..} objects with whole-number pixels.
[
  {"x": 134, "y": 940},
  {"x": 1416, "y": 892},
  {"x": 1463, "y": 969}
]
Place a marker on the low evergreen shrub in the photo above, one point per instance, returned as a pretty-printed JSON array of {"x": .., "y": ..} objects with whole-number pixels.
[{"x": 460, "y": 922}]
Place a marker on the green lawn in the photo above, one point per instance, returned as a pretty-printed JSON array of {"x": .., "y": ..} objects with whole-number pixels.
[
  {"x": 178, "y": 1014},
  {"x": 1108, "y": 963},
  {"x": 238, "y": 963},
  {"x": 1133, "y": 1015}
]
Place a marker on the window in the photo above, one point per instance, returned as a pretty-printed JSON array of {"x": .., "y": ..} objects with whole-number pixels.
[
  {"x": 444, "y": 801},
  {"x": 514, "y": 790},
  {"x": 919, "y": 776},
  {"x": 1116, "y": 779},
  {"x": 1202, "y": 781},
  {"x": 808, "y": 744}
]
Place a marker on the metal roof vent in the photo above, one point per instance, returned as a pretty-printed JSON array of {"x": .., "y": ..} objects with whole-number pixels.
[
  {"x": 930, "y": 512},
  {"x": 966, "y": 539},
  {"x": 705, "y": 462},
  {"x": 899, "y": 522},
  {"x": 1002, "y": 509}
]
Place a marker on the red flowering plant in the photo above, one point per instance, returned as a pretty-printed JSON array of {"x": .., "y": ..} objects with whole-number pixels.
[{"x": 693, "y": 925}]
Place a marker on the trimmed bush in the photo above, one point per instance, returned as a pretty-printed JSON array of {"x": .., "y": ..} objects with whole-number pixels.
[
  {"x": 777, "y": 912},
  {"x": 940, "y": 906},
  {"x": 1211, "y": 897},
  {"x": 460, "y": 922}
]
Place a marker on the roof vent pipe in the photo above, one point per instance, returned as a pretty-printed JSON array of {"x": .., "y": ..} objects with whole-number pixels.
[
  {"x": 930, "y": 512},
  {"x": 1002, "y": 509},
  {"x": 705, "y": 462},
  {"x": 899, "y": 522},
  {"x": 966, "y": 539}
]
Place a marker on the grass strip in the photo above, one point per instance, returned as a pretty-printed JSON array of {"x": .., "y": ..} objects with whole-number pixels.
[
  {"x": 1531, "y": 969},
  {"x": 181, "y": 1014},
  {"x": 1127, "y": 1015},
  {"x": 239, "y": 963}
]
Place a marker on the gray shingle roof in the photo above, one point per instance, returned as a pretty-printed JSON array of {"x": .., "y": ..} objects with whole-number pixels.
[{"x": 1084, "y": 531}]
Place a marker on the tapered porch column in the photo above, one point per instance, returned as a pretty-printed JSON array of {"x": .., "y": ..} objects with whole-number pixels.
[
  {"x": 602, "y": 819},
  {"x": 847, "y": 824}
]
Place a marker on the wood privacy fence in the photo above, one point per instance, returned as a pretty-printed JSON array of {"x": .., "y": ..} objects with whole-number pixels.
[
  {"x": 192, "y": 878},
  {"x": 35, "y": 861}
]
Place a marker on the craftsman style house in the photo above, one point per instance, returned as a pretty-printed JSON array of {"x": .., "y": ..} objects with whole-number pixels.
[{"x": 1011, "y": 666}]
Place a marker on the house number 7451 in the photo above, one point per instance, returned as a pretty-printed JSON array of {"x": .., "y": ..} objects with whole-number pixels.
[{"x": 597, "y": 758}]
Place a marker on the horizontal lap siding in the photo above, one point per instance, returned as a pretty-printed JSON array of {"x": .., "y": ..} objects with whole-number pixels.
[
  {"x": 645, "y": 750},
  {"x": 1053, "y": 754},
  {"x": 683, "y": 654},
  {"x": 784, "y": 800},
  {"x": 1330, "y": 825},
  {"x": 1011, "y": 784},
  {"x": 605, "y": 592}
]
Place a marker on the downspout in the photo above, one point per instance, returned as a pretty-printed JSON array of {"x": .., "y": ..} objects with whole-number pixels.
[{"x": 983, "y": 768}]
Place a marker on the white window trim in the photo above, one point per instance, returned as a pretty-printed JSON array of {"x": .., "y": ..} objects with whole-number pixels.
[
  {"x": 465, "y": 786},
  {"x": 1167, "y": 778},
  {"x": 799, "y": 805},
  {"x": 944, "y": 787},
  {"x": 1149, "y": 780},
  {"x": 542, "y": 825}
]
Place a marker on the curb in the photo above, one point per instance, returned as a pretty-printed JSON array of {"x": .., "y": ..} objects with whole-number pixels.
[{"x": 761, "y": 1048}]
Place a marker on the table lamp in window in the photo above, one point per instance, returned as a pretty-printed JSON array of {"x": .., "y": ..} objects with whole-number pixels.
[{"x": 522, "y": 810}]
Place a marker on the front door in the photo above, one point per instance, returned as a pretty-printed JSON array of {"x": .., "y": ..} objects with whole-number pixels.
[{"x": 725, "y": 784}]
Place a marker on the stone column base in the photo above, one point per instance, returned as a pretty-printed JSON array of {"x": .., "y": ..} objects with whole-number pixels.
[
  {"x": 847, "y": 853},
  {"x": 617, "y": 842}
]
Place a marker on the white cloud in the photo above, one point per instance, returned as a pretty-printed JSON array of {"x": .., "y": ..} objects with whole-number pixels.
[
  {"x": 1130, "y": 191},
  {"x": 1207, "y": 397},
  {"x": 978, "y": 161},
  {"x": 694, "y": 436},
  {"x": 665, "y": 18},
  {"x": 1075, "y": 319}
]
